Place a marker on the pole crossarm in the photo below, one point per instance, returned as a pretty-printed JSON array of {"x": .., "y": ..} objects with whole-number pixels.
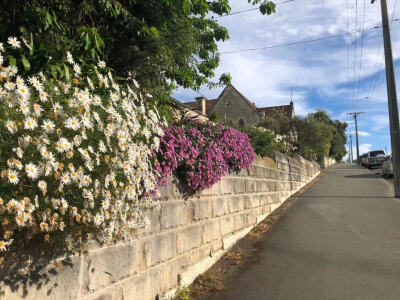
[{"x": 355, "y": 114}]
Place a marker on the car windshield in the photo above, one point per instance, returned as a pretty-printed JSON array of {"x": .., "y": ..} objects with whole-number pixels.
[{"x": 375, "y": 153}]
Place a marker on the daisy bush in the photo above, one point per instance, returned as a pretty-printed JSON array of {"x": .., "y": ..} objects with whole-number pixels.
[
  {"x": 76, "y": 155},
  {"x": 201, "y": 153}
]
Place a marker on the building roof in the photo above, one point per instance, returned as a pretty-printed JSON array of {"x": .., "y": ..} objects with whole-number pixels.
[{"x": 287, "y": 109}]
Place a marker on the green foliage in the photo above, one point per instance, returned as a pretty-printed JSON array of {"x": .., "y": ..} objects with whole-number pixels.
[
  {"x": 164, "y": 42},
  {"x": 214, "y": 117},
  {"x": 318, "y": 136},
  {"x": 278, "y": 122},
  {"x": 182, "y": 293},
  {"x": 265, "y": 142}
]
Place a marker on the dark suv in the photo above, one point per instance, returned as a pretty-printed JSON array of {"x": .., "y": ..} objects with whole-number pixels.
[{"x": 375, "y": 158}]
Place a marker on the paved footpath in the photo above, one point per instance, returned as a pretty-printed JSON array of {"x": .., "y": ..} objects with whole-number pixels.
[{"x": 340, "y": 240}]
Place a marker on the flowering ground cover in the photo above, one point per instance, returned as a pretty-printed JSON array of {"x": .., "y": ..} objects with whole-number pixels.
[{"x": 201, "y": 153}]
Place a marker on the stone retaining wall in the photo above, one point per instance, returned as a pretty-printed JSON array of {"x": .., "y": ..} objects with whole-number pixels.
[{"x": 186, "y": 236}]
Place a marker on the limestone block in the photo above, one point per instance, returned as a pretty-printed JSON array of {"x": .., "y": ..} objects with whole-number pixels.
[
  {"x": 266, "y": 209},
  {"x": 50, "y": 283},
  {"x": 213, "y": 191},
  {"x": 235, "y": 204},
  {"x": 176, "y": 213},
  {"x": 108, "y": 265},
  {"x": 211, "y": 231},
  {"x": 202, "y": 208},
  {"x": 227, "y": 186},
  {"x": 239, "y": 186},
  {"x": 156, "y": 249},
  {"x": 259, "y": 172},
  {"x": 266, "y": 173},
  {"x": 216, "y": 246},
  {"x": 251, "y": 201},
  {"x": 153, "y": 215},
  {"x": 271, "y": 186},
  {"x": 227, "y": 225},
  {"x": 243, "y": 172},
  {"x": 196, "y": 255},
  {"x": 107, "y": 294},
  {"x": 188, "y": 238},
  {"x": 250, "y": 186},
  {"x": 219, "y": 207}
]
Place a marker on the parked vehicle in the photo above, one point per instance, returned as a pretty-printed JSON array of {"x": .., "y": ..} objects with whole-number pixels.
[
  {"x": 363, "y": 160},
  {"x": 387, "y": 166},
  {"x": 375, "y": 158}
]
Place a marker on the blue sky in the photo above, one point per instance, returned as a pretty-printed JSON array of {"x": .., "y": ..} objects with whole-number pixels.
[{"x": 321, "y": 74}]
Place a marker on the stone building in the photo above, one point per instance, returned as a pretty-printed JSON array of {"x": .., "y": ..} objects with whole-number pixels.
[{"x": 234, "y": 106}]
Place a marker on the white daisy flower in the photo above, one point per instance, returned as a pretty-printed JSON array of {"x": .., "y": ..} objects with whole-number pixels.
[
  {"x": 64, "y": 203},
  {"x": 72, "y": 123},
  {"x": 77, "y": 69},
  {"x": 12, "y": 176},
  {"x": 65, "y": 178},
  {"x": 23, "y": 91},
  {"x": 42, "y": 186},
  {"x": 70, "y": 58},
  {"x": 37, "y": 109},
  {"x": 98, "y": 219},
  {"x": 57, "y": 108},
  {"x": 18, "y": 164},
  {"x": 30, "y": 123},
  {"x": 101, "y": 64},
  {"x": 3, "y": 246},
  {"x": 24, "y": 108},
  {"x": 105, "y": 204},
  {"x": 9, "y": 85},
  {"x": 31, "y": 171},
  {"x": 11, "y": 126},
  {"x": 43, "y": 96},
  {"x": 48, "y": 126},
  {"x": 14, "y": 42}
]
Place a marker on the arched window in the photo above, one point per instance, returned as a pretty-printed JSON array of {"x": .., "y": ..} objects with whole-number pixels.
[{"x": 241, "y": 123}]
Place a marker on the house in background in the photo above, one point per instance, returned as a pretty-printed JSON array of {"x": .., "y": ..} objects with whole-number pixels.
[{"x": 234, "y": 106}]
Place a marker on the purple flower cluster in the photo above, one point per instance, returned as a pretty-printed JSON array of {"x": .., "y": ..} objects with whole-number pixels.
[{"x": 201, "y": 153}]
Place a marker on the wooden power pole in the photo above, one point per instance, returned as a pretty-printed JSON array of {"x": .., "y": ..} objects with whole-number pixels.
[
  {"x": 392, "y": 99},
  {"x": 355, "y": 114}
]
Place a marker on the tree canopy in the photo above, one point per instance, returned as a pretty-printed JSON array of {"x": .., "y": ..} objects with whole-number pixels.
[
  {"x": 164, "y": 42},
  {"x": 318, "y": 136}
]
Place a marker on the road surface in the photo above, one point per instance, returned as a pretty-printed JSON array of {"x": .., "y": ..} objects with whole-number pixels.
[{"x": 339, "y": 240}]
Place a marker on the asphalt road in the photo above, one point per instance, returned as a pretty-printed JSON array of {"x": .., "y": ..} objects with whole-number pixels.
[{"x": 339, "y": 240}]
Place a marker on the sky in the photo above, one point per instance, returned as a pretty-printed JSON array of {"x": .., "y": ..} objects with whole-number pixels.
[{"x": 341, "y": 75}]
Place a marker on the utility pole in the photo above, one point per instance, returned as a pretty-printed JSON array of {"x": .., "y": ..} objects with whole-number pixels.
[
  {"x": 355, "y": 114},
  {"x": 351, "y": 149},
  {"x": 392, "y": 99}
]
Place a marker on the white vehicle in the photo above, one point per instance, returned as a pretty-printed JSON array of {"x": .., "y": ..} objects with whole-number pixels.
[{"x": 375, "y": 158}]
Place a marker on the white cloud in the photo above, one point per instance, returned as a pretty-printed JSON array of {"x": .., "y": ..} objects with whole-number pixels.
[{"x": 322, "y": 70}]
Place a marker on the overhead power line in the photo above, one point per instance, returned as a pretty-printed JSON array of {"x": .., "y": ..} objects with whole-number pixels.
[
  {"x": 302, "y": 42},
  {"x": 251, "y": 9}
]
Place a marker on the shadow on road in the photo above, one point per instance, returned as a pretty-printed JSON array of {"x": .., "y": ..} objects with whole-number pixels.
[{"x": 372, "y": 175}]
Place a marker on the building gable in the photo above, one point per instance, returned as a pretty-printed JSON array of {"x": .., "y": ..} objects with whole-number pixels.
[{"x": 234, "y": 106}]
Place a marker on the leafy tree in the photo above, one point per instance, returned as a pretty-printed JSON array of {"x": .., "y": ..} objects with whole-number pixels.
[
  {"x": 164, "y": 42},
  {"x": 278, "y": 122},
  {"x": 318, "y": 136}
]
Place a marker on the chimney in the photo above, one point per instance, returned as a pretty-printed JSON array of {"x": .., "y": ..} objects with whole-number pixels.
[{"x": 201, "y": 104}]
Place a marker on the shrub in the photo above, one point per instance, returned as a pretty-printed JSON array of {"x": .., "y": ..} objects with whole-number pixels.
[
  {"x": 201, "y": 153},
  {"x": 265, "y": 142},
  {"x": 75, "y": 154}
]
